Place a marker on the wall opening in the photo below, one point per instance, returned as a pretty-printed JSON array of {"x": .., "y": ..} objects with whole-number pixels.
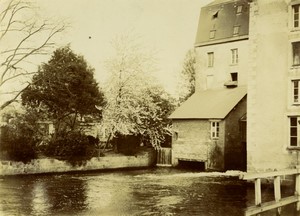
[{"x": 191, "y": 165}]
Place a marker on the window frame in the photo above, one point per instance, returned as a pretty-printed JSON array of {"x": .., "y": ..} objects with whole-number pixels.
[
  {"x": 239, "y": 9},
  {"x": 295, "y": 91},
  {"x": 212, "y": 34},
  {"x": 234, "y": 56},
  {"x": 294, "y": 15},
  {"x": 296, "y": 53},
  {"x": 234, "y": 76},
  {"x": 236, "y": 30},
  {"x": 296, "y": 134},
  {"x": 210, "y": 59},
  {"x": 214, "y": 129}
]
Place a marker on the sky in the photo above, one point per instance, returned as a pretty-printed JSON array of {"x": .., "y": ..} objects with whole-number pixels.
[{"x": 166, "y": 26}]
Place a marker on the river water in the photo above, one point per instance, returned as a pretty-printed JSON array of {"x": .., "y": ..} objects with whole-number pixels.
[{"x": 159, "y": 191}]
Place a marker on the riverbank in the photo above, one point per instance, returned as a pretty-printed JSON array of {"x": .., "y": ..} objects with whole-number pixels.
[{"x": 50, "y": 165}]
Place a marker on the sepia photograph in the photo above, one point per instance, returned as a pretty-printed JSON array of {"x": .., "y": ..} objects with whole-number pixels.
[{"x": 149, "y": 107}]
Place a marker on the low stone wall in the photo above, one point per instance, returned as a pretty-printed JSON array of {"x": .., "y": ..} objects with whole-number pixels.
[{"x": 49, "y": 165}]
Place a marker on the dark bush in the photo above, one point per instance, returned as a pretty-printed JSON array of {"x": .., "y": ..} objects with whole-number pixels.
[
  {"x": 127, "y": 144},
  {"x": 74, "y": 147},
  {"x": 18, "y": 139}
]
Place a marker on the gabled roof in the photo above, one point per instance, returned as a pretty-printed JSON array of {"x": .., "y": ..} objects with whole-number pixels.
[
  {"x": 221, "y": 17},
  {"x": 210, "y": 104}
]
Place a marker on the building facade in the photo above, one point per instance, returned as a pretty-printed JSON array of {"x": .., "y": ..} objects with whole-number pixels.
[
  {"x": 210, "y": 125},
  {"x": 273, "y": 111}
]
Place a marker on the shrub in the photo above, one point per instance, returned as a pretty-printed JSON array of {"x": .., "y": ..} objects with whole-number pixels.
[{"x": 73, "y": 146}]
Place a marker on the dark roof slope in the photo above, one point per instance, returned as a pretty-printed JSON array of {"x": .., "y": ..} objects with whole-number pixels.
[
  {"x": 210, "y": 104},
  {"x": 221, "y": 16}
]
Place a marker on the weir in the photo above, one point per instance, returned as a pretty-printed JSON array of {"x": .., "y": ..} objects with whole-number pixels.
[{"x": 164, "y": 157}]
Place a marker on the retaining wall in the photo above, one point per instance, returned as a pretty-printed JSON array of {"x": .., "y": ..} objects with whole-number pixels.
[{"x": 49, "y": 165}]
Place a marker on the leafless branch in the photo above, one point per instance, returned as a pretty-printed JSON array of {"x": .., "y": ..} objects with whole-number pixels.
[{"x": 35, "y": 38}]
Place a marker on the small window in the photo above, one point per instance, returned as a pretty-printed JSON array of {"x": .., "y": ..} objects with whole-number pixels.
[
  {"x": 295, "y": 90},
  {"x": 210, "y": 56},
  {"x": 234, "y": 56},
  {"x": 296, "y": 15},
  {"x": 214, "y": 129},
  {"x": 239, "y": 9},
  {"x": 215, "y": 15},
  {"x": 234, "y": 76},
  {"x": 294, "y": 131},
  {"x": 296, "y": 53},
  {"x": 236, "y": 30},
  {"x": 212, "y": 34}
]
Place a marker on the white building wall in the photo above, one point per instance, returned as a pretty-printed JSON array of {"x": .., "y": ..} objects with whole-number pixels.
[
  {"x": 215, "y": 77},
  {"x": 268, "y": 87}
]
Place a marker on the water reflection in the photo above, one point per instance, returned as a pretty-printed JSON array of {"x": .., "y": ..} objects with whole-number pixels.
[{"x": 141, "y": 192}]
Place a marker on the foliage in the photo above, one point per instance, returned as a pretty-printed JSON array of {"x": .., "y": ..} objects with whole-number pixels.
[
  {"x": 72, "y": 146},
  {"x": 188, "y": 76},
  {"x": 24, "y": 37},
  {"x": 65, "y": 88},
  {"x": 21, "y": 136},
  {"x": 135, "y": 105}
]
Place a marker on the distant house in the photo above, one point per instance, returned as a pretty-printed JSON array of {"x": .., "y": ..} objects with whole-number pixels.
[{"x": 210, "y": 127}]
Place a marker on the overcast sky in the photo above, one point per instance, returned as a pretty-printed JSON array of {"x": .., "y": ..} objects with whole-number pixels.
[{"x": 167, "y": 26}]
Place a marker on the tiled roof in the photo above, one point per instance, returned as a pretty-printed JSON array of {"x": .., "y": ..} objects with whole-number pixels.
[
  {"x": 221, "y": 16},
  {"x": 210, "y": 104}
]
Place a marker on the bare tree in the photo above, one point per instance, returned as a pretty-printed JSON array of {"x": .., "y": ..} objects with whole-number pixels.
[{"x": 23, "y": 36}]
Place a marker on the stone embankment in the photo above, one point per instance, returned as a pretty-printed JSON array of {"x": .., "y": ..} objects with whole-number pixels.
[{"x": 49, "y": 165}]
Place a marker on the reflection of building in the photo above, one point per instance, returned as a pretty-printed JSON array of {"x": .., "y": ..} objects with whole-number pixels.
[{"x": 208, "y": 125}]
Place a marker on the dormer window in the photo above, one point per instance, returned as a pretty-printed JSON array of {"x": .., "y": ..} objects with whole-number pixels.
[
  {"x": 215, "y": 15},
  {"x": 212, "y": 34},
  {"x": 239, "y": 9},
  {"x": 296, "y": 15},
  {"x": 236, "y": 30}
]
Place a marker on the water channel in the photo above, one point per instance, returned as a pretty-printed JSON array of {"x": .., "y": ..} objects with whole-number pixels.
[{"x": 157, "y": 191}]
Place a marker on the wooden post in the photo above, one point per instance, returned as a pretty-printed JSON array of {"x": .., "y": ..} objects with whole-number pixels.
[
  {"x": 277, "y": 192},
  {"x": 297, "y": 190},
  {"x": 257, "y": 191}
]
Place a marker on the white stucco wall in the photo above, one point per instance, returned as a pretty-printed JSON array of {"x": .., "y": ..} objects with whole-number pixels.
[
  {"x": 220, "y": 72},
  {"x": 268, "y": 87}
]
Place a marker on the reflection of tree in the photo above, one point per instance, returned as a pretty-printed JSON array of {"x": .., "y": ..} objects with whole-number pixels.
[
  {"x": 66, "y": 195},
  {"x": 19, "y": 201}
]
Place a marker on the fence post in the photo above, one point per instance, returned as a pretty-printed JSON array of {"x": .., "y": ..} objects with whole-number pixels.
[
  {"x": 257, "y": 186},
  {"x": 277, "y": 192},
  {"x": 297, "y": 187}
]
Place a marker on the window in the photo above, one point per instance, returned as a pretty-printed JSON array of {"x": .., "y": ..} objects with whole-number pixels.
[
  {"x": 210, "y": 56},
  {"x": 294, "y": 131},
  {"x": 215, "y": 15},
  {"x": 239, "y": 9},
  {"x": 212, "y": 34},
  {"x": 296, "y": 15},
  {"x": 296, "y": 53},
  {"x": 234, "y": 76},
  {"x": 234, "y": 56},
  {"x": 214, "y": 129},
  {"x": 295, "y": 90},
  {"x": 236, "y": 30}
]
